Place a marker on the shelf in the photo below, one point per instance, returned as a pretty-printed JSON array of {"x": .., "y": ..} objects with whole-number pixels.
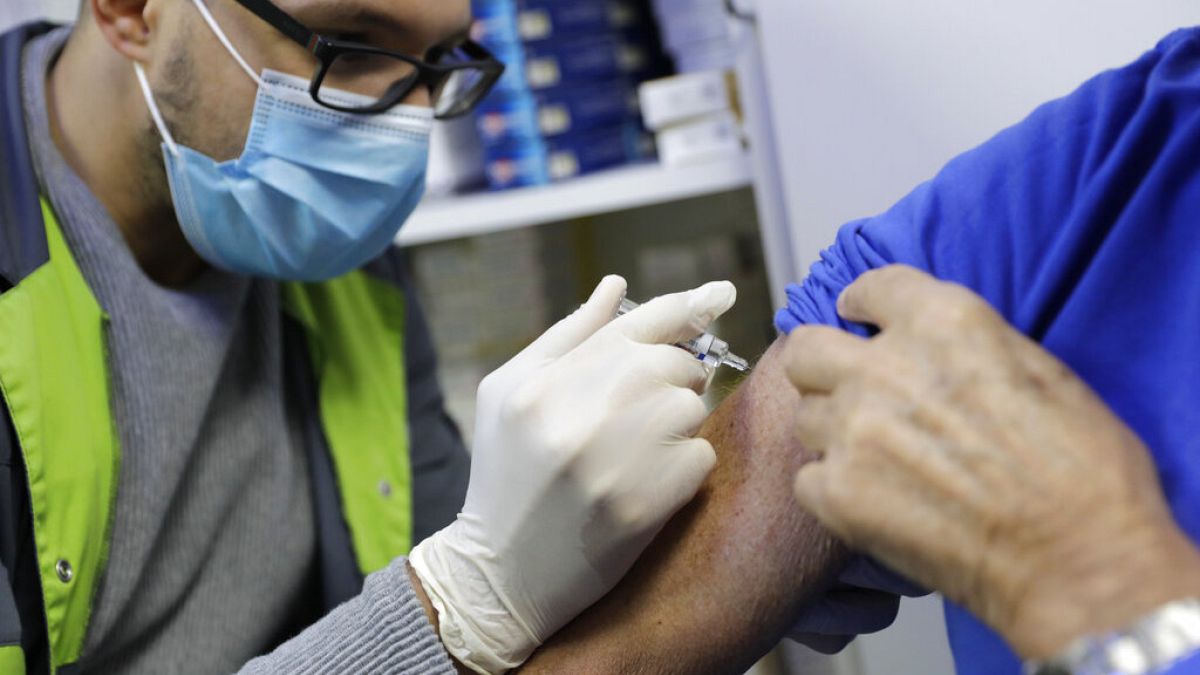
[{"x": 440, "y": 219}]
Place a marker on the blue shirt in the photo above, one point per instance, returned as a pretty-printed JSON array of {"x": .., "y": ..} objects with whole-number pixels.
[{"x": 1081, "y": 225}]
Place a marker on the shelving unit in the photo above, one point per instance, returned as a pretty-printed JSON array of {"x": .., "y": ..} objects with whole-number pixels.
[{"x": 606, "y": 192}]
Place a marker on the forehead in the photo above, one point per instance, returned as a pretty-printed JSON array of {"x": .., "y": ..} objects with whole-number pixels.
[{"x": 427, "y": 21}]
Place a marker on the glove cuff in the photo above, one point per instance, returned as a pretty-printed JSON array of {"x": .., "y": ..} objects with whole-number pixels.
[{"x": 476, "y": 622}]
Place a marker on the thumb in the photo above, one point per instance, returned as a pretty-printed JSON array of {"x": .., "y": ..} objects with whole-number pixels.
[
  {"x": 679, "y": 316},
  {"x": 568, "y": 333}
]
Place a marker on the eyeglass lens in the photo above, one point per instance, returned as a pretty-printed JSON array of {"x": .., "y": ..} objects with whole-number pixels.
[
  {"x": 383, "y": 77},
  {"x": 375, "y": 76},
  {"x": 458, "y": 92}
]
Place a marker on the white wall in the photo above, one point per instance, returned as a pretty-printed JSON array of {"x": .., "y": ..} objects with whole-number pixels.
[
  {"x": 871, "y": 97},
  {"x": 13, "y": 12},
  {"x": 61, "y": 10}
]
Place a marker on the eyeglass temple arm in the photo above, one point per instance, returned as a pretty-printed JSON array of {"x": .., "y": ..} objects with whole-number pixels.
[{"x": 281, "y": 20}]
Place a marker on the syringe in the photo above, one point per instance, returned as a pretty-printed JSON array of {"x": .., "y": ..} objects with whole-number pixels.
[{"x": 710, "y": 349}]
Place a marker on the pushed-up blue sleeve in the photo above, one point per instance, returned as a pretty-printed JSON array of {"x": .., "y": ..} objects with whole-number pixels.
[
  {"x": 1189, "y": 665},
  {"x": 1015, "y": 218}
]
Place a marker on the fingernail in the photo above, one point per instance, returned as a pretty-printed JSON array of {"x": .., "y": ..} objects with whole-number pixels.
[{"x": 712, "y": 300}]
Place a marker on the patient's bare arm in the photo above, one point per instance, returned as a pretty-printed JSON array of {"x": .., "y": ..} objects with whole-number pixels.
[{"x": 719, "y": 586}]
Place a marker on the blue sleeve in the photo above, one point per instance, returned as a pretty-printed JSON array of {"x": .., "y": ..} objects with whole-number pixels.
[
  {"x": 999, "y": 219},
  {"x": 1188, "y": 666}
]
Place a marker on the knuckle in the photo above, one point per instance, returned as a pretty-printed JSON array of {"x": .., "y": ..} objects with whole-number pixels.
[
  {"x": 865, "y": 428},
  {"x": 632, "y": 514},
  {"x": 958, "y": 309},
  {"x": 933, "y": 315},
  {"x": 971, "y": 310},
  {"x": 566, "y": 448},
  {"x": 523, "y": 403},
  {"x": 941, "y": 318}
]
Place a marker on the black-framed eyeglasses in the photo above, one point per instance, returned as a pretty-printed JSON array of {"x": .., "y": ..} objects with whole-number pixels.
[{"x": 457, "y": 77}]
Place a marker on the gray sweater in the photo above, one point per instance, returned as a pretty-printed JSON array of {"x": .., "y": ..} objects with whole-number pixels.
[{"x": 213, "y": 540}]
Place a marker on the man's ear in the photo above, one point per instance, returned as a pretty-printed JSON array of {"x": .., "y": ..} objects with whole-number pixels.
[{"x": 128, "y": 25}]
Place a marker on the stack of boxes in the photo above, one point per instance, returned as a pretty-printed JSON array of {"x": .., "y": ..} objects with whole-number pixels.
[
  {"x": 695, "y": 116},
  {"x": 567, "y": 104}
]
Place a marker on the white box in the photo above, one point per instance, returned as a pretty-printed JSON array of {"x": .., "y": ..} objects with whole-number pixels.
[
  {"x": 705, "y": 138},
  {"x": 679, "y": 98}
]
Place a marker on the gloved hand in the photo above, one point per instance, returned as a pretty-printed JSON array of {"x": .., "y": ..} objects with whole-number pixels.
[
  {"x": 865, "y": 599},
  {"x": 584, "y": 448}
]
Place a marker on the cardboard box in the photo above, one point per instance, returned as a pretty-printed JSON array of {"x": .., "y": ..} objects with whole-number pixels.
[
  {"x": 679, "y": 98},
  {"x": 557, "y": 111},
  {"x": 701, "y": 139}
]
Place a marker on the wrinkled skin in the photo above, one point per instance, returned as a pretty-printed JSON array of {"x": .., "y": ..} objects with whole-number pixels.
[{"x": 995, "y": 475}]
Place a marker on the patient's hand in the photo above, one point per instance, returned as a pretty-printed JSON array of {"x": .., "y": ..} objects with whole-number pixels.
[
  {"x": 723, "y": 581},
  {"x": 996, "y": 475}
]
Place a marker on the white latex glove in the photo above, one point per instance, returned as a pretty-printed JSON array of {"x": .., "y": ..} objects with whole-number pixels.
[{"x": 584, "y": 448}]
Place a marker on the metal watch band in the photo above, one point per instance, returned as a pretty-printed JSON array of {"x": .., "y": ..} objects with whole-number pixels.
[{"x": 1147, "y": 647}]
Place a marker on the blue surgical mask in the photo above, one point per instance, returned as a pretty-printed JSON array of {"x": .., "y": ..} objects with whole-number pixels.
[{"x": 315, "y": 194}]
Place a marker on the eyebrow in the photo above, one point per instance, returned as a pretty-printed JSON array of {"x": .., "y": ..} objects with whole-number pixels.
[
  {"x": 355, "y": 16},
  {"x": 342, "y": 17}
]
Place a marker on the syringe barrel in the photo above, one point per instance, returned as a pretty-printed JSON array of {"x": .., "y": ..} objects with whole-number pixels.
[{"x": 707, "y": 347}]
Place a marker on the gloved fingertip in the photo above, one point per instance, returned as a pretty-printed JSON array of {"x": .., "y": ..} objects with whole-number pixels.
[
  {"x": 711, "y": 301},
  {"x": 610, "y": 290},
  {"x": 613, "y": 278}
]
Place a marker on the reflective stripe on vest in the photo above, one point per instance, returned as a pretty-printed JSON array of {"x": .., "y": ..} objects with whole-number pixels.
[
  {"x": 12, "y": 659},
  {"x": 355, "y": 328},
  {"x": 54, "y": 380}
]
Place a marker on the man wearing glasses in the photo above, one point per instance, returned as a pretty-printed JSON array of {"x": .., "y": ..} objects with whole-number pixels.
[{"x": 221, "y": 422}]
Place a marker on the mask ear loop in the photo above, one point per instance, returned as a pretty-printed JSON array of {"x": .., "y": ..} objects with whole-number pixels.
[
  {"x": 154, "y": 112},
  {"x": 149, "y": 95},
  {"x": 216, "y": 29}
]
